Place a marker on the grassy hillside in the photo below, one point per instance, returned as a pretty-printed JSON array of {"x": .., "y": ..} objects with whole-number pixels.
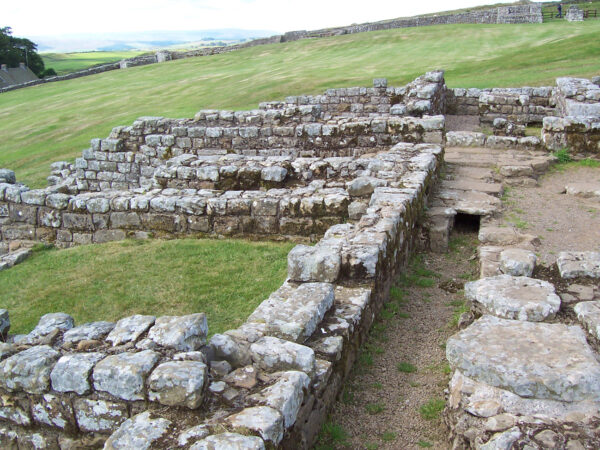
[
  {"x": 71, "y": 62},
  {"x": 224, "y": 279},
  {"x": 55, "y": 121}
]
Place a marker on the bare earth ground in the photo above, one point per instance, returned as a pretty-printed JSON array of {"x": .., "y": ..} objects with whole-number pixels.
[
  {"x": 387, "y": 406},
  {"x": 562, "y": 222}
]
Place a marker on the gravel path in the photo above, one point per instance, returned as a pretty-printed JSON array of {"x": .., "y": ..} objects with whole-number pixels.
[{"x": 402, "y": 371}]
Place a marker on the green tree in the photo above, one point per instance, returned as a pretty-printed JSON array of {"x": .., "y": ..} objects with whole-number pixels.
[{"x": 15, "y": 50}]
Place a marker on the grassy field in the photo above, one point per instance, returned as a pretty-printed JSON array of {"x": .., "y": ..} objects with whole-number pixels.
[
  {"x": 71, "y": 62},
  {"x": 225, "y": 279},
  {"x": 54, "y": 122}
]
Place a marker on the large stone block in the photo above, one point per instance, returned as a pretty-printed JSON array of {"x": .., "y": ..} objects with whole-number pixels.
[
  {"x": 268, "y": 422},
  {"x": 183, "y": 333},
  {"x": 229, "y": 441},
  {"x": 99, "y": 415},
  {"x": 532, "y": 360},
  {"x": 29, "y": 370},
  {"x": 72, "y": 372},
  {"x": 130, "y": 329},
  {"x": 124, "y": 375},
  {"x": 321, "y": 263},
  {"x": 273, "y": 354},
  {"x": 294, "y": 312},
  {"x": 178, "y": 383},
  {"x": 139, "y": 432}
]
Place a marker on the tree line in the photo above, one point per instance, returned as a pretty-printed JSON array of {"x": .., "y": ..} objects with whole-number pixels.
[{"x": 14, "y": 50}]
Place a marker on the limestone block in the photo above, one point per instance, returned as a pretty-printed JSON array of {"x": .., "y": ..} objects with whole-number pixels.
[
  {"x": 54, "y": 411},
  {"x": 29, "y": 370},
  {"x": 14, "y": 411},
  {"x": 99, "y": 415},
  {"x": 48, "y": 323},
  {"x": 229, "y": 441},
  {"x": 183, "y": 333},
  {"x": 7, "y": 176},
  {"x": 273, "y": 173},
  {"x": 465, "y": 139},
  {"x": 195, "y": 433},
  {"x": 360, "y": 261},
  {"x": 363, "y": 186},
  {"x": 503, "y": 440},
  {"x": 330, "y": 347},
  {"x": 286, "y": 395},
  {"x": 88, "y": 331},
  {"x": 72, "y": 372},
  {"x": 532, "y": 360},
  {"x": 579, "y": 264},
  {"x": 294, "y": 313},
  {"x": 317, "y": 264},
  {"x": 273, "y": 354},
  {"x": 124, "y": 375},
  {"x": 34, "y": 197},
  {"x": 225, "y": 347},
  {"x": 588, "y": 314},
  {"x": 268, "y": 422},
  {"x": 130, "y": 329},
  {"x": 517, "y": 262},
  {"x": 244, "y": 377},
  {"x": 58, "y": 201},
  {"x": 139, "y": 432},
  {"x": 178, "y": 383}
]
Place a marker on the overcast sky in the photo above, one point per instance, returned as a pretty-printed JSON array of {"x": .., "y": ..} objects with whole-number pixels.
[{"x": 60, "y": 17}]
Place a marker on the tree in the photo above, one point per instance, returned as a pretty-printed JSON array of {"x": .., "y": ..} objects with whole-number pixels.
[{"x": 17, "y": 50}]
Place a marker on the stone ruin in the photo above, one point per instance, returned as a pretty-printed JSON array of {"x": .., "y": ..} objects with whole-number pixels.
[{"x": 351, "y": 171}]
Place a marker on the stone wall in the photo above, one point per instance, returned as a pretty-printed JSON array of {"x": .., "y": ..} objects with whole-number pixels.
[
  {"x": 153, "y": 381},
  {"x": 525, "y": 105}
]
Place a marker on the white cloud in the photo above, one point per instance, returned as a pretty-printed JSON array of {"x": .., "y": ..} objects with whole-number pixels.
[{"x": 59, "y": 17}]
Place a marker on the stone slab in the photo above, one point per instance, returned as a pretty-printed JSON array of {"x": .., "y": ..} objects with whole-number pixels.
[
  {"x": 579, "y": 264},
  {"x": 532, "y": 360}
]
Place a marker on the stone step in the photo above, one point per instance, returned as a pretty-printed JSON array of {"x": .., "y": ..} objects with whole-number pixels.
[
  {"x": 588, "y": 313},
  {"x": 494, "y": 189},
  {"x": 532, "y": 360},
  {"x": 468, "y": 202},
  {"x": 514, "y": 297},
  {"x": 461, "y": 172}
]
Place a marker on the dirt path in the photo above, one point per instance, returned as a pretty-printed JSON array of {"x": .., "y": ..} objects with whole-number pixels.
[
  {"x": 562, "y": 222},
  {"x": 393, "y": 398}
]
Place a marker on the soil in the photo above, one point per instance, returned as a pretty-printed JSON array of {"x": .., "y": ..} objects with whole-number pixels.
[
  {"x": 562, "y": 222},
  {"x": 380, "y": 405}
]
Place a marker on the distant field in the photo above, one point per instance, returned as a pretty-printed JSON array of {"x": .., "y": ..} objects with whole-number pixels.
[
  {"x": 55, "y": 121},
  {"x": 71, "y": 62},
  {"x": 226, "y": 279}
]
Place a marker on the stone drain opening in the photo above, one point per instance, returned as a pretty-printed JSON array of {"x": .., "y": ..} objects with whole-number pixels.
[{"x": 466, "y": 223}]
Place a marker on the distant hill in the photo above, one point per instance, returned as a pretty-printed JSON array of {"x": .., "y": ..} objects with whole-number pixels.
[{"x": 146, "y": 40}]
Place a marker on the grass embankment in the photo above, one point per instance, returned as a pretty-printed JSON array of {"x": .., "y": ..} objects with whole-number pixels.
[
  {"x": 55, "y": 121},
  {"x": 224, "y": 279},
  {"x": 64, "y": 63}
]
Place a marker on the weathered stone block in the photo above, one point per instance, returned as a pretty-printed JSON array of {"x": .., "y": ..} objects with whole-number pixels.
[
  {"x": 268, "y": 422},
  {"x": 124, "y": 375},
  {"x": 72, "y": 372},
  {"x": 183, "y": 333},
  {"x": 139, "y": 432},
  {"x": 99, "y": 415},
  {"x": 29, "y": 370},
  {"x": 78, "y": 222},
  {"x": 321, "y": 263},
  {"x": 178, "y": 383},
  {"x": 130, "y": 329},
  {"x": 272, "y": 354},
  {"x": 55, "y": 412}
]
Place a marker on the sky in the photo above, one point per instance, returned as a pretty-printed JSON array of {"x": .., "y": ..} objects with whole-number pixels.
[{"x": 67, "y": 17}]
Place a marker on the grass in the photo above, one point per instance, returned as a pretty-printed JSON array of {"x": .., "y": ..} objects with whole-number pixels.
[
  {"x": 432, "y": 409},
  {"x": 226, "y": 279},
  {"x": 71, "y": 62},
  {"x": 331, "y": 435},
  {"x": 406, "y": 367},
  {"x": 55, "y": 121},
  {"x": 424, "y": 444},
  {"x": 375, "y": 408},
  {"x": 389, "y": 436}
]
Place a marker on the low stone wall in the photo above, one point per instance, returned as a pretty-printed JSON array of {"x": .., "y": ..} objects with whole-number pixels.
[
  {"x": 577, "y": 97},
  {"x": 521, "y": 105},
  {"x": 577, "y": 134},
  {"x": 153, "y": 381}
]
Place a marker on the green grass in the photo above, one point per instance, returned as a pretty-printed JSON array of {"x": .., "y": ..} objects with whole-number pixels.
[
  {"x": 375, "y": 408},
  {"x": 432, "y": 409},
  {"x": 71, "y": 62},
  {"x": 424, "y": 444},
  {"x": 55, "y": 121},
  {"x": 389, "y": 436},
  {"x": 226, "y": 279},
  {"x": 331, "y": 435},
  {"x": 406, "y": 367}
]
